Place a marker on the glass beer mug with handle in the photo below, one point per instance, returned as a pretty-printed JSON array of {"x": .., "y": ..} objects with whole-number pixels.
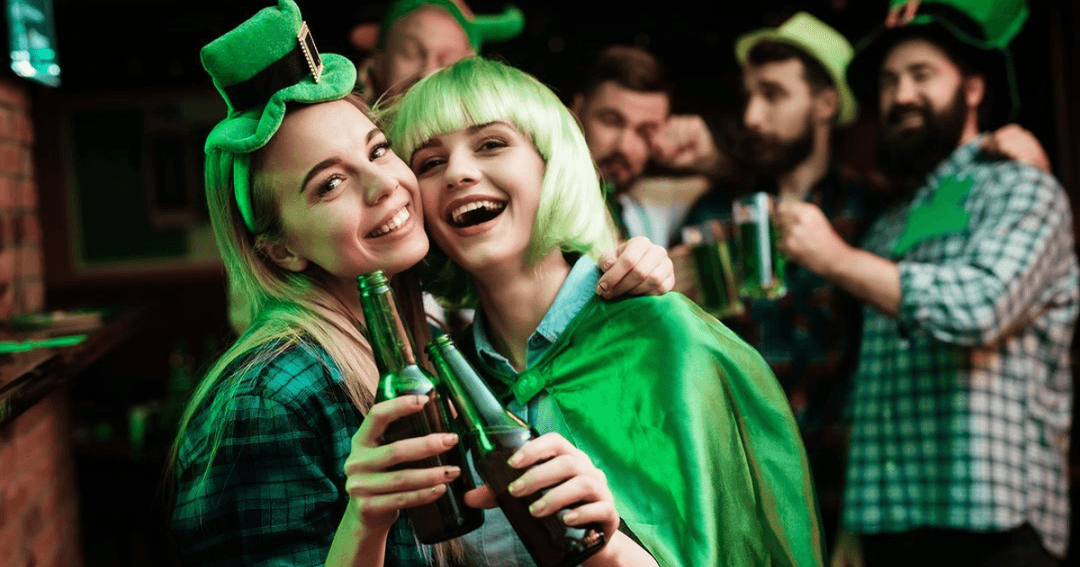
[
  {"x": 494, "y": 435},
  {"x": 400, "y": 375},
  {"x": 762, "y": 264},
  {"x": 715, "y": 274}
]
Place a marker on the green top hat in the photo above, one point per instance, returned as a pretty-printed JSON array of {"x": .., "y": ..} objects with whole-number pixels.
[
  {"x": 265, "y": 62},
  {"x": 497, "y": 27},
  {"x": 826, "y": 45},
  {"x": 978, "y": 30}
]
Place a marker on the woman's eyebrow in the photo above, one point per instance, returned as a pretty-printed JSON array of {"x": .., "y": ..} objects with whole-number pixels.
[
  {"x": 434, "y": 141},
  {"x": 330, "y": 162},
  {"x": 477, "y": 127},
  {"x": 324, "y": 164}
]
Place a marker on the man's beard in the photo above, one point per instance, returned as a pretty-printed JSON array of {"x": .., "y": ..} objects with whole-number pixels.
[
  {"x": 907, "y": 156},
  {"x": 769, "y": 156},
  {"x": 616, "y": 158}
]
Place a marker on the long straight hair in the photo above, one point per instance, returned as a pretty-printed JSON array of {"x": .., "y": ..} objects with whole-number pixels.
[{"x": 274, "y": 309}]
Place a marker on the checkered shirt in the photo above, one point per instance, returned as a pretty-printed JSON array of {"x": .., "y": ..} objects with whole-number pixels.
[
  {"x": 275, "y": 492},
  {"x": 962, "y": 404}
]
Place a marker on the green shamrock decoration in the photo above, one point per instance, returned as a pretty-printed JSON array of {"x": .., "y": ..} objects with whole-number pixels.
[{"x": 944, "y": 215}]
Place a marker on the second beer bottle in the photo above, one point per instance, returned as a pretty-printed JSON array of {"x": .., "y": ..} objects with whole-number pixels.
[
  {"x": 400, "y": 375},
  {"x": 494, "y": 435}
]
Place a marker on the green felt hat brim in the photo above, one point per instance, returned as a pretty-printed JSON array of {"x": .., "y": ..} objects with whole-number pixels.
[
  {"x": 849, "y": 106},
  {"x": 249, "y": 130},
  {"x": 489, "y": 27},
  {"x": 501, "y": 27}
]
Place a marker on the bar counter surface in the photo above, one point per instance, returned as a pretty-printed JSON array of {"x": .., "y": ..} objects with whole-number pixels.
[{"x": 41, "y": 352}]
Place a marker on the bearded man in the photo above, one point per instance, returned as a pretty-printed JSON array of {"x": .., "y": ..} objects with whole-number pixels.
[
  {"x": 961, "y": 404},
  {"x": 796, "y": 96}
]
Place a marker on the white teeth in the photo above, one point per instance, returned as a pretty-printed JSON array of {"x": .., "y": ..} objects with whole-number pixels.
[
  {"x": 395, "y": 222},
  {"x": 458, "y": 212}
]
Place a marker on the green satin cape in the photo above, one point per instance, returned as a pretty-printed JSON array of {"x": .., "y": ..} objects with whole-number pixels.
[{"x": 687, "y": 421}]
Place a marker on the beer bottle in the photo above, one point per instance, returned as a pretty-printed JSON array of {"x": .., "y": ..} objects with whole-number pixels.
[
  {"x": 400, "y": 375},
  {"x": 494, "y": 434}
]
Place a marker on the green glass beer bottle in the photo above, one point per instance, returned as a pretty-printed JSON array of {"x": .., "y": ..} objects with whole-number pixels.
[
  {"x": 494, "y": 434},
  {"x": 400, "y": 375}
]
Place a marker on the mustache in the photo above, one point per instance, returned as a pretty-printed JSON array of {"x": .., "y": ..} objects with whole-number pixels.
[
  {"x": 614, "y": 158},
  {"x": 897, "y": 113}
]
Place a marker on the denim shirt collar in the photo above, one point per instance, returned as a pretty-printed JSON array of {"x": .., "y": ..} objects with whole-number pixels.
[{"x": 576, "y": 291}]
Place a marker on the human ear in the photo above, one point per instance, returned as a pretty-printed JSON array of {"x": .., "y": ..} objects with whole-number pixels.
[
  {"x": 827, "y": 105},
  {"x": 577, "y": 104},
  {"x": 280, "y": 254},
  {"x": 974, "y": 90}
]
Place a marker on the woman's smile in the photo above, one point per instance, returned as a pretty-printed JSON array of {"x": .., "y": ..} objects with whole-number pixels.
[{"x": 481, "y": 186}]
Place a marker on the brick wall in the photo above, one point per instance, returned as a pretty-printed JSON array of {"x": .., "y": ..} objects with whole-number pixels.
[{"x": 39, "y": 514}]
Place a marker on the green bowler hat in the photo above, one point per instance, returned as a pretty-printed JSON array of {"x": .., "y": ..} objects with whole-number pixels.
[
  {"x": 263, "y": 63},
  {"x": 479, "y": 28},
  {"x": 826, "y": 45},
  {"x": 978, "y": 30}
]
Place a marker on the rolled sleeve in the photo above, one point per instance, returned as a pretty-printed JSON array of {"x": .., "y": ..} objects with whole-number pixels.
[{"x": 1019, "y": 243}]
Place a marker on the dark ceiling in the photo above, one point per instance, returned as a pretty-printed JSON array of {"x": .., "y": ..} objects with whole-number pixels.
[{"x": 128, "y": 44}]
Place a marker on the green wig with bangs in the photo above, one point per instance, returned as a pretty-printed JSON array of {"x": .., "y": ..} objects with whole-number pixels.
[{"x": 571, "y": 215}]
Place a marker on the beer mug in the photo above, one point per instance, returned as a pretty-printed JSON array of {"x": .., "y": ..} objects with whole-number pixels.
[
  {"x": 762, "y": 267},
  {"x": 717, "y": 278}
]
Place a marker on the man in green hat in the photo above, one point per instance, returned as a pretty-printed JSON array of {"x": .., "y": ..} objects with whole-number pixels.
[
  {"x": 961, "y": 405},
  {"x": 796, "y": 96},
  {"x": 417, "y": 37}
]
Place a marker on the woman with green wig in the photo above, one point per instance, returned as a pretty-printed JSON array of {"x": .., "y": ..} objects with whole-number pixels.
[
  {"x": 687, "y": 421},
  {"x": 278, "y": 459}
]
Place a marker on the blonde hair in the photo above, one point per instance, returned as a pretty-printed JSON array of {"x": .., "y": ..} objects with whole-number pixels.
[
  {"x": 571, "y": 216},
  {"x": 274, "y": 310}
]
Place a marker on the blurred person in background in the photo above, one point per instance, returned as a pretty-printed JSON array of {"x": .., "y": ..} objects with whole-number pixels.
[
  {"x": 417, "y": 37},
  {"x": 961, "y": 404}
]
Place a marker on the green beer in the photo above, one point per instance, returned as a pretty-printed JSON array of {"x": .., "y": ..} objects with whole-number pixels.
[
  {"x": 717, "y": 277},
  {"x": 762, "y": 267}
]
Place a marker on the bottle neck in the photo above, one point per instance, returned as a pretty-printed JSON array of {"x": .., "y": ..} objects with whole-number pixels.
[
  {"x": 390, "y": 342},
  {"x": 477, "y": 406}
]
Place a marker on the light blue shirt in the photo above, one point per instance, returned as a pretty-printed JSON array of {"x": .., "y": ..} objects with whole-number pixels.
[{"x": 495, "y": 543}]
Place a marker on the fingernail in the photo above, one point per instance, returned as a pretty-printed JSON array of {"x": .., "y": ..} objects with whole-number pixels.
[
  {"x": 515, "y": 460},
  {"x": 569, "y": 517},
  {"x": 515, "y": 487},
  {"x": 601, "y": 287},
  {"x": 537, "y": 507},
  {"x": 451, "y": 471},
  {"x": 608, "y": 264},
  {"x": 419, "y": 400},
  {"x": 450, "y": 439}
]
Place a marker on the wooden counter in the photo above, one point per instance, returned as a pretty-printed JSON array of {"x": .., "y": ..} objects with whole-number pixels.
[{"x": 27, "y": 377}]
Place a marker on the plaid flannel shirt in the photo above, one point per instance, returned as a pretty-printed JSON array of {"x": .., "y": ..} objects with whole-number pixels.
[
  {"x": 275, "y": 492},
  {"x": 962, "y": 403}
]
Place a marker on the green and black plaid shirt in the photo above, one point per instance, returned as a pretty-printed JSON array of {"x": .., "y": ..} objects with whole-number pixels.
[
  {"x": 962, "y": 405},
  {"x": 275, "y": 492}
]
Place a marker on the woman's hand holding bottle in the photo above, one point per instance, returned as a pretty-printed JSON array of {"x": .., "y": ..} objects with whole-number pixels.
[
  {"x": 377, "y": 493},
  {"x": 571, "y": 481}
]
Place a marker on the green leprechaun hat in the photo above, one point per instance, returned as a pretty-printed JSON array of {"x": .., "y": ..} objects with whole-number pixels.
[
  {"x": 978, "y": 31},
  {"x": 479, "y": 28},
  {"x": 826, "y": 45},
  {"x": 258, "y": 67}
]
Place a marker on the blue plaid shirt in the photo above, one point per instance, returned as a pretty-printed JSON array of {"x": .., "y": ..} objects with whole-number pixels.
[
  {"x": 962, "y": 404},
  {"x": 275, "y": 491}
]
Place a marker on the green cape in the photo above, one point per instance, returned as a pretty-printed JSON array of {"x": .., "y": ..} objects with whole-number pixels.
[{"x": 694, "y": 433}]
